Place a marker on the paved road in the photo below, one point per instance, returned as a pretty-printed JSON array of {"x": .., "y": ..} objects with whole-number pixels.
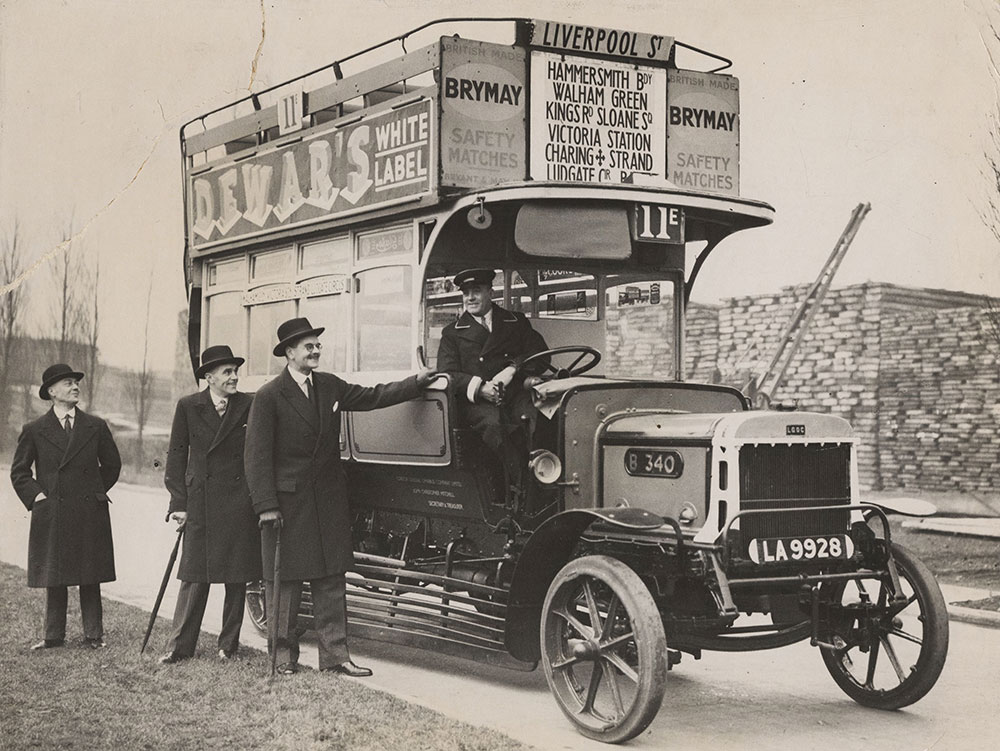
[{"x": 765, "y": 701}]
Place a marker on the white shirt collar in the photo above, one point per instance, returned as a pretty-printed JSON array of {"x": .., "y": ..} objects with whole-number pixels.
[
  {"x": 300, "y": 378},
  {"x": 62, "y": 412},
  {"x": 216, "y": 400},
  {"x": 486, "y": 320}
]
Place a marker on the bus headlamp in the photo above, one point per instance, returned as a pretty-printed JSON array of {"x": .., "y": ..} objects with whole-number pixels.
[{"x": 545, "y": 466}]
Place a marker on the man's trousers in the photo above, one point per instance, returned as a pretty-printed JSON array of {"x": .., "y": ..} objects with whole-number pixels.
[
  {"x": 91, "y": 610},
  {"x": 329, "y": 619},
  {"x": 190, "y": 610}
]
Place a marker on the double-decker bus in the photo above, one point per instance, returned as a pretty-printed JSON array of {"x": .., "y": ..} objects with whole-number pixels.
[{"x": 596, "y": 176}]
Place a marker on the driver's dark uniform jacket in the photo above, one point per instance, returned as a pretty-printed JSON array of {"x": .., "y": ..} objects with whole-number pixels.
[{"x": 469, "y": 352}]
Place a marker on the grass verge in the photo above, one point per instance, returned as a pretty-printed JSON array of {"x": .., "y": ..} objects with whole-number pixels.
[
  {"x": 954, "y": 559},
  {"x": 77, "y": 698}
]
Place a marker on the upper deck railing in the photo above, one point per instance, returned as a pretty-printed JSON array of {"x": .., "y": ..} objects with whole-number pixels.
[{"x": 561, "y": 103}]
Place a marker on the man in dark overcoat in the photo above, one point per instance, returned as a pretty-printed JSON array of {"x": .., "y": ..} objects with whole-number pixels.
[
  {"x": 481, "y": 351},
  {"x": 209, "y": 497},
  {"x": 75, "y": 463},
  {"x": 296, "y": 480}
]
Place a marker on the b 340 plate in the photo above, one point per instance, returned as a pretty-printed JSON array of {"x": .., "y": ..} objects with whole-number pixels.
[{"x": 654, "y": 463}]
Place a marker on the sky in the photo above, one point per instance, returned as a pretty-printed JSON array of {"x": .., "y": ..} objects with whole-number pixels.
[{"x": 842, "y": 102}]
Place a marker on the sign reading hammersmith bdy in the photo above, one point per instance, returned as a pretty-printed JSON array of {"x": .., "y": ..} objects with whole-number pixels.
[
  {"x": 380, "y": 159},
  {"x": 482, "y": 113},
  {"x": 703, "y": 131},
  {"x": 617, "y": 42},
  {"x": 596, "y": 120}
]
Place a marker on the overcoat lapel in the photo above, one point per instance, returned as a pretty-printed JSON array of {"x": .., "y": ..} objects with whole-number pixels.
[
  {"x": 206, "y": 410},
  {"x": 502, "y": 319},
  {"x": 470, "y": 329},
  {"x": 235, "y": 412},
  {"x": 53, "y": 432},
  {"x": 291, "y": 391},
  {"x": 83, "y": 430}
]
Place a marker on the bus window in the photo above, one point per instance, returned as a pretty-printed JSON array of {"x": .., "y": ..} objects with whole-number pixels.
[
  {"x": 226, "y": 318},
  {"x": 325, "y": 257},
  {"x": 273, "y": 264},
  {"x": 383, "y": 319},
  {"x": 647, "y": 307},
  {"x": 227, "y": 273},
  {"x": 331, "y": 312},
  {"x": 264, "y": 321}
]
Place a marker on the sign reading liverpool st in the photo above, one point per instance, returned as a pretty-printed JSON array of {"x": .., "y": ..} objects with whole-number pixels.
[{"x": 596, "y": 120}]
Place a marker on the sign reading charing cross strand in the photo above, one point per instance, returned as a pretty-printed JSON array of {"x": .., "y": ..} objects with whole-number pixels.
[
  {"x": 381, "y": 159},
  {"x": 596, "y": 120}
]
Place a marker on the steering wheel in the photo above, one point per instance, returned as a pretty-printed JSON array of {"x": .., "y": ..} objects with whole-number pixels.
[{"x": 575, "y": 368}]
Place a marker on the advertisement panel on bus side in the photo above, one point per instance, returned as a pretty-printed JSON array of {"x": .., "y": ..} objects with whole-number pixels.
[
  {"x": 381, "y": 159},
  {"x": 483, "y": 95},
  {"x": 703, "y": 131}
]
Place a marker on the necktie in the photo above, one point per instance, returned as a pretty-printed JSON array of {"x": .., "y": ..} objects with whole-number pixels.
[
  {"x": 68, "y": 426},
  {"x": 485, "y": 323},
  {"x": 309, "y": 391}
]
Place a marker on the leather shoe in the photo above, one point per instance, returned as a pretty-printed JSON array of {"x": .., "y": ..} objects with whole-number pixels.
[
  {"x": 48, "y": 644},
  {"x": 287, "y": 668},
  {"x": 97, "y": 643},
  {"x": 349, "y": 668},
  {"x": 170, "y": 658}
]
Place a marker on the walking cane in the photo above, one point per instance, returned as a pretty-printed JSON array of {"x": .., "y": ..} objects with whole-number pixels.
[
  {"x": 272, "y": 621},
  {"x": 163, "y": 588}
]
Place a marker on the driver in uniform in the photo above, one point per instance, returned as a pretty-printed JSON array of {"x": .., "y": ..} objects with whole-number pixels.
[{"x": 482, "y": 352}]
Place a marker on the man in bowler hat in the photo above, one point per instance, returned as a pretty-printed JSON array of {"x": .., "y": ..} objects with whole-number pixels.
[
  {"x": 209, "y": 497},
  {"x": 481, "y": 351},
  {"x": 296, "y": 480},
  {"x": 64, "y": 464}
]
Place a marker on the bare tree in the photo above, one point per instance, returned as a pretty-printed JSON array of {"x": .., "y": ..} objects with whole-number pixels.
[
  {"x": 92, "y": 329},
  {"x": 139, "y": 385},
  {"x": 12, "y": 267},
  {"x": 69, "y": 309}
]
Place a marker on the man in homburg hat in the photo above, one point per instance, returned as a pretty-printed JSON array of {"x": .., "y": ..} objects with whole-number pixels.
[
  {"x": 75, "y": 463},
  {"x": 209, "y": 497},
  {"x": 296, "y": 480},
  {"x": 481, "y": 352}
]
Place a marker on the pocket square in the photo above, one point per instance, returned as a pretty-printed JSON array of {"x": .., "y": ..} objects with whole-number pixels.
[{"x": 335, "y": 405}]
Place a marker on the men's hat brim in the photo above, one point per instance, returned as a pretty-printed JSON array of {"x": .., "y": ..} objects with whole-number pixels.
[
  {"x": 279, "y": 349},
  {"x": 474, "y": 276},
  {"x": 205, "y": 367},
  {"x": 43, "y": 390}
]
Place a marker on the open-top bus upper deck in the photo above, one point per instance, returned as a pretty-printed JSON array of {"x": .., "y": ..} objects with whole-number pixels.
[{"x": 573, "y": 150}]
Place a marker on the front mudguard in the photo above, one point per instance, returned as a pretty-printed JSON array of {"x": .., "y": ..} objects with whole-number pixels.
[{"x": 548, "y": 549}]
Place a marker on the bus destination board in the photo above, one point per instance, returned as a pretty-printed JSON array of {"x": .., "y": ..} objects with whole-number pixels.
[{"x": 596, "y": 121}]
